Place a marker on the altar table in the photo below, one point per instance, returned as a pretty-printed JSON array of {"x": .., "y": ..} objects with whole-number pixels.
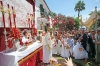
[{"x": 29, "y": 57}]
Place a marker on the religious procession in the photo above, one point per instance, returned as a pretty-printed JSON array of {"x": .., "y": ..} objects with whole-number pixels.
[{"x": 49, "y": 33}]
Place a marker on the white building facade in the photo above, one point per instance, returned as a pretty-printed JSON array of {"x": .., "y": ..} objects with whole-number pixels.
[{"x": 39, "y": 20}]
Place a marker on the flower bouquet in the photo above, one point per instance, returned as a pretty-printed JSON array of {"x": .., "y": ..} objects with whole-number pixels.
[
  {"x": 81, "y": 49},
  {"x": 67, "y": 47},
  {"x": 15, "y": 35},
  {"x": 54, "y": 62}
]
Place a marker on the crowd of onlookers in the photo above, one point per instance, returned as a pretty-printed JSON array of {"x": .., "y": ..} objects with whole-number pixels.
[{"x": 78, "y": 44}]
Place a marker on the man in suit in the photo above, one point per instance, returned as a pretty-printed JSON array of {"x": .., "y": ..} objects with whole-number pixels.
[
  {"x": 91, "y": 43},
  {"x": 84, "y": 39},
  {"x": 98, "y": 45}
]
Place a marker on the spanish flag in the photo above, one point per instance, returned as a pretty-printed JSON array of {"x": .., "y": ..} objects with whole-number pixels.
[{"x": 92, "y": 19}]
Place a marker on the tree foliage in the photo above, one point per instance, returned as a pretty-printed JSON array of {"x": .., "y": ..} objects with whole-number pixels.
[
  {"x": 52, "y": 14},
  {"x": 77, "y": 24},
  {"x": 65, "y": 23},
  {"x": 80, "y": 6}
]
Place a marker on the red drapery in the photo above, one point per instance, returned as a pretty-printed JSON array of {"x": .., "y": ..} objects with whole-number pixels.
[
  {"x": 2, "y": 42},
  {"x": 34, "y": 60}
]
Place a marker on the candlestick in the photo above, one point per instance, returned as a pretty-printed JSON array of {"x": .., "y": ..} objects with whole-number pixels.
[
  {"x": 31, "y": 20},
  {"x": 5, "y": 33},
  {"x": 14, "y": 16},
  {"x": 9, "y": 16},
  {"x": 3, "y": 17}
]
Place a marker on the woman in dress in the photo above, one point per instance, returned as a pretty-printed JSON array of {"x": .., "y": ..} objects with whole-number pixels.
[{"x": 79, "y": 52}]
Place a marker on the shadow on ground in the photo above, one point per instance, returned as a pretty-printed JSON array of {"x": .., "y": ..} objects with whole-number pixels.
[{"x": 77, "y": 62}]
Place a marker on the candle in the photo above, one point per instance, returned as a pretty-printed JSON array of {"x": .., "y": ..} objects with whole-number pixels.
[
  {"x": 29, "y": 22},
  {"x": 3, "y": 17},
  {"x": 14, "y": 16},
  {"x": 9, "y": 16}
]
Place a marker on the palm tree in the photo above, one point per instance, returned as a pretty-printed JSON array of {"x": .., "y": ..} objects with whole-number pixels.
[{"x": 80, "y": 6}]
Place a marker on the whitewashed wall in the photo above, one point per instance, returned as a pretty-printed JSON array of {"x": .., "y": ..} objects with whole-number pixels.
[
  {"x": 22, "y": 7},
  {"x": 38, "y": 2},
  {"x": 37, "y": 15},
  {"x": 44, "y": 20}
]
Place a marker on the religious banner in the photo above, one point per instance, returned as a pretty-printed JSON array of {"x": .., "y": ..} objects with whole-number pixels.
[{"x": 92, "y": 19}]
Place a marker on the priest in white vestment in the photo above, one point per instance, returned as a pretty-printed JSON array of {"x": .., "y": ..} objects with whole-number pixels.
[
  {"x": 79, "y": 52},
  {"x": 47, "y": 46}
]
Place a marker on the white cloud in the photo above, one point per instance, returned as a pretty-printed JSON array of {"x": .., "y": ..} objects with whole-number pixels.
[
  {"x": 85, "y": 17},
  {"x": 97, "y": 0},
  {"x": 98, "y": 9}
]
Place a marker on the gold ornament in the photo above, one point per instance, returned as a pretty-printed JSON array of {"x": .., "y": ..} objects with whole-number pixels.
[
  {"x": 81, "y": 49},
  {"x": 8, "y": 10},
  {"x": 2, "y": 9},
  {"x": 67, "y": 47}
]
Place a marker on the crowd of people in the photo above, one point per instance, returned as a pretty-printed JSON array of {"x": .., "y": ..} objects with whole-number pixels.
[{"x": 80, "y": 44}]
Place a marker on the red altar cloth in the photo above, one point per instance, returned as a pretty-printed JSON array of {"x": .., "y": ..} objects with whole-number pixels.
[
  {"x": 2, "y": 46},
  {"x": 33, "y": 59}
]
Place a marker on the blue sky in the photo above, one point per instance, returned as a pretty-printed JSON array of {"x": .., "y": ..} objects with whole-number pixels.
[{"x": 66, "y": 7}]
